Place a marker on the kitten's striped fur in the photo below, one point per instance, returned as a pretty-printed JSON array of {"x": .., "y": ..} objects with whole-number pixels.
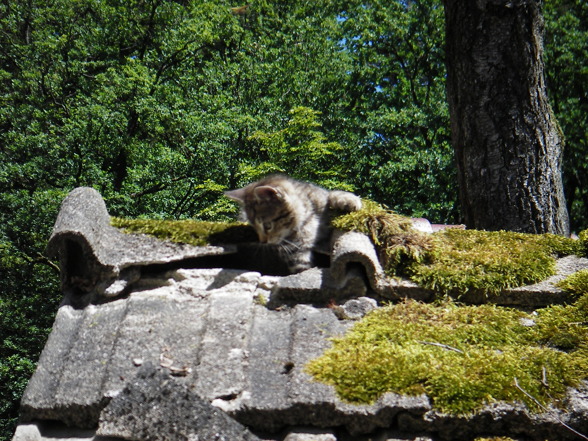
[{"x": 292, "y": 214}]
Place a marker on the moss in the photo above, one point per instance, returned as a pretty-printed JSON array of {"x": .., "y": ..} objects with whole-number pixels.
[
  {"x": 451, "y": 261},
  {"x": 398, "y": 244},
  {"x": 464, "y": 260},
  {"x": 560, "y": 245},
  {"x": 456, "y": 261},
  {"x": 583, "y": 236},
  {"x": 260, "y": 300},
  {"x": 461, "y": 357},
  {"x": 191, "y": 232},
  {"x": 500, "y": 438},
  {"x": 564, "y": 327},
  {"x": 576, "y": 283}
]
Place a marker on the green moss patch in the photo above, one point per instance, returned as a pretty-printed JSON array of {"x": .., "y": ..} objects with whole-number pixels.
[
  {"x": 450, "y": 261},
  {"x": 456, "y": 261},
  {"x": 398, "y": 244},
  {"x": 191, "y": 232},
  {"x": 576, "y": 283},
  {"x": 462, "y": 357},
  {"x": 583, "y": 236},
  {"x": 500, "y": 438},
  {"x": 463, "y": 260},
  {"x": 564, "y": 327}
]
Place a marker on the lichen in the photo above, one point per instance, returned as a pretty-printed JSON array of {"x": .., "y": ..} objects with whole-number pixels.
[{"x": 461, "y": 357}]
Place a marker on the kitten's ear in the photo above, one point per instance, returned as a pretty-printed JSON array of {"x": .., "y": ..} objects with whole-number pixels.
[
  {"x": 267, "y": 193},
  {"x": 236, "y": 195}
]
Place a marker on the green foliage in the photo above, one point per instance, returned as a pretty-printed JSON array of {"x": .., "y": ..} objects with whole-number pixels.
[
  {"x": 29, "y": 293},
  {"x": 301, "y": 149},
  {"x": 15, "y": 371},
  {"x": 404, "y": 157},
  {"x": 146, "y": 101},
  {"x": 566, "y": 58},
  {"x": 462, "y": 357}
]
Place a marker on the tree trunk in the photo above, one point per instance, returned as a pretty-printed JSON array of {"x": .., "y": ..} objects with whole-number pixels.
[{"x": 507, "y": 143}]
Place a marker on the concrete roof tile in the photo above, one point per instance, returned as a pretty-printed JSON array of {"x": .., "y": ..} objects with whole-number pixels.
[{"x": 206, "y": 335}]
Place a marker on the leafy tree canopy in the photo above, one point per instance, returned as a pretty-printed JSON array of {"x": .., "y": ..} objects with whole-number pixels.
[{"x": 566, "y": 50}]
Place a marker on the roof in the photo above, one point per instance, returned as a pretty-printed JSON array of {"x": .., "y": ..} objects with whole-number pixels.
[{"x": 163, "y": 341}]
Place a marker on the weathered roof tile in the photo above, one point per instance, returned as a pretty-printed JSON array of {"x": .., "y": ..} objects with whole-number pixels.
[{"x": 140, "y": 348}]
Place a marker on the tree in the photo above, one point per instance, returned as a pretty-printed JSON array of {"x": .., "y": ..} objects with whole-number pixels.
[
  {"x": 507, "y": 142},
  {"x": 29, "y": 293},
  {"x": 302, "y": 149},
  {"x": 397, "y": 106},
  {"x": 566, "y": 59}
]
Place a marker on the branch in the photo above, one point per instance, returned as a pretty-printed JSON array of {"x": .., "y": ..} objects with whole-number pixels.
[
  {"x": 40, "y": 258},
  {"x": 440, "y": 345},
  {"x": 531, "y": 397},
  {"x": 50, "y": 263},
  {"x": 157, "y": 187}
]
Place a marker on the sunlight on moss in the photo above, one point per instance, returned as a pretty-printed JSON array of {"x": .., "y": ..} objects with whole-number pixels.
[
  {"x": 564, "y": 327},
  {"x": 451, "y": 261},
  {"x": 461, "y": 357},
  {"x": 576, "y": 283},
  {"x": 464, "y": 260},
  {"x": 191, "y": 232},
  {"x": 500, "y": 438},
  {"x": 456, "y": 261},
  {"x": 583, "y": 236},
  {"x": 398, "y": 244}
]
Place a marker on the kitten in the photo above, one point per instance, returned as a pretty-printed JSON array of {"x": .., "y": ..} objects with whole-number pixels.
[{"x": 291, "y": 214}]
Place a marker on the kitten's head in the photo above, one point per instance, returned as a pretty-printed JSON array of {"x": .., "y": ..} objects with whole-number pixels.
[{"x": 268, "y": 210}]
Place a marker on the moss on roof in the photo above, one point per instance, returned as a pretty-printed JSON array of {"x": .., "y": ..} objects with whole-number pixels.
[
  {"x": 398, "y": 244},
  {"x": 456, "y": 261},
  {"x": 198, "y": 233},
  {"x": 462, "y": 357},
  {"x": 499, "y": 438},
  {"x": 451, "y": 261},
  {"x": 576, "y": 283},
  {"x": 490, "y": 261}
]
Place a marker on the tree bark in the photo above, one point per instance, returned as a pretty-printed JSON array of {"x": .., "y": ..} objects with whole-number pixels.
[{"x": 508, "y": 145}]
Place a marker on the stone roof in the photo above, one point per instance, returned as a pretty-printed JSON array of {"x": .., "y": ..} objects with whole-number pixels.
[{"x": 163, "y": 341}]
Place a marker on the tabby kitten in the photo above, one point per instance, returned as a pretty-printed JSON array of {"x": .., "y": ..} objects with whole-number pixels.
[{"x": 291, "y": 214}]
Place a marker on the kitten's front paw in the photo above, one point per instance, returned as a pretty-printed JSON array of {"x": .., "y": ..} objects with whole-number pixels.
[
  {"x": 299, "y": 261},
  {"x": 296, "y": 268},
  {"x": 344, "y": 201}
]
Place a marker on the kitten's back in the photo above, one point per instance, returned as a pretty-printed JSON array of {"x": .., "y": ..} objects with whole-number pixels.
[{"x": 294, "y": 214}]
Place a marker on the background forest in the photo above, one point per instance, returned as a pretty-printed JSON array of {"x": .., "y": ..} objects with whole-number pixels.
[{"x": 161, "y": 105}]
